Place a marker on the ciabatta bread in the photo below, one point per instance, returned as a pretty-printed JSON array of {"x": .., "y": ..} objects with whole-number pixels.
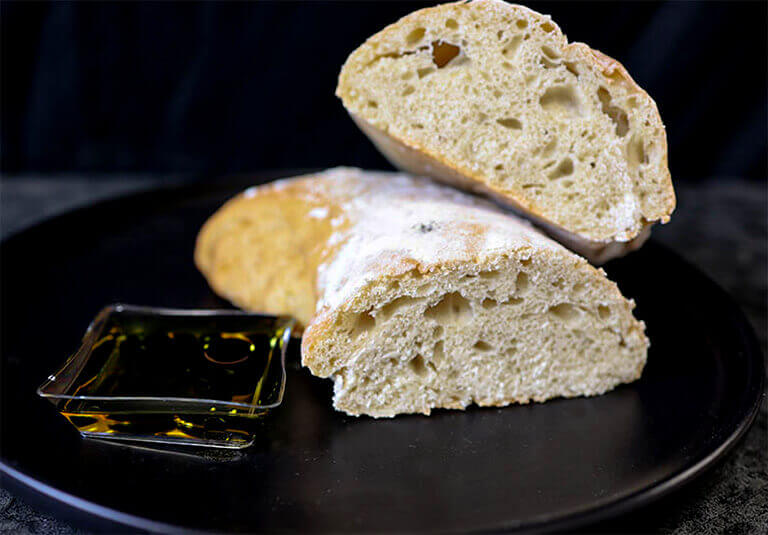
[
  {"x": 416, "y": 296},
  {"x": 491, "y": 97}
]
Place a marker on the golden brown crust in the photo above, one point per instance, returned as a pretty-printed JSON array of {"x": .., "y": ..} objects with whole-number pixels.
[{"x": 261, "y": 249}]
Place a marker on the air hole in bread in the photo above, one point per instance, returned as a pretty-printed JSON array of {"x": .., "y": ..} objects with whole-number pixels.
[
  {"x": 415, "y": 36},
  {"x": 571, "y": 66},
  {"x": 480, "y": 345},
  {"x": 419, "y": 366},
  {"x": 510, "y": 123},
  {"x": 564, "y": 168},
  {"x": 452, "y": 24},
  {"x": 373, "y": 104},
  {"x": 510, "y": 49},
  {"x": 616, "y": 114},
  {"x": 522, "y": 283},
  {"x": 365, "y": 322},
  {"x": 565, "y": 312},
  {"x": 561, "y": 99},
  {"x": 489, "y": 275},
  {"x": 443, "y": 53},
  {"x": 438, "y": 353},
  {"x": 521, "y": 23},
  {"x": 497, "y": 93},
  {"x": 408, "y": 90},
  {"x": 548, "y": 27},
  {"x": 452, "y": 308},
  {"x": 604, "y": 312},
  {"x": 489, "y": 303},
  {"x": 426, "y": 71},
  {"x": 635, "y": 152},
  {"x": 438, "y": 331},
  {"x": 549, "y": 64},
  {"x": 550, "y": 52}
]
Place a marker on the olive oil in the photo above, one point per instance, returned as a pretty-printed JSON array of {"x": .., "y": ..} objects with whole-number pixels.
[{"x": 202, "y": 378}]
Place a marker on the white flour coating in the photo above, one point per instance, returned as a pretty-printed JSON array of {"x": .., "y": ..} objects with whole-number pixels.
[
  {"x": 318, "y": 213},
  {"x": 251, "y": 192},
  {"x": 395, "y": 216}
]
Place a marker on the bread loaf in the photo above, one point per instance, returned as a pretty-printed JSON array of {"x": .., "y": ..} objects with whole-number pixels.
[
  {"x": 491, "y": 97},
  {"x": 415, "y": 296}
]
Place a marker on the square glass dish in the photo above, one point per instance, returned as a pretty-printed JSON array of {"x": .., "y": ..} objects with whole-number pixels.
[{"x": 197, "y": 377}]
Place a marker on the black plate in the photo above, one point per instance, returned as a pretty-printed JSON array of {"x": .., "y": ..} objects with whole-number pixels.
[{"x": 552, "y": 465}]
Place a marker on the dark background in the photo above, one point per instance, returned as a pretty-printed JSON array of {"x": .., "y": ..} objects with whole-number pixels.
[{"x": 230, "y": 87}]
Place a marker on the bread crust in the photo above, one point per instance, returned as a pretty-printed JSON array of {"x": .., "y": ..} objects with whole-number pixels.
[{"x": 412, "y": 156}]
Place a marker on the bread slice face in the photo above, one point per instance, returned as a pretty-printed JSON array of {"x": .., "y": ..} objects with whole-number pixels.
[
  {"x": 415, "y": 296},
  {"x": 491, "y": 97}
]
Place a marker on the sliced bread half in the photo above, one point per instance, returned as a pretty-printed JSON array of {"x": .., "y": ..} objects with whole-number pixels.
[{"x": 491, "y": 97}]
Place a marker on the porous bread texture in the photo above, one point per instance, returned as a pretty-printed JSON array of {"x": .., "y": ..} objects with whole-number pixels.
[
  {"x": 491, "y": 97},
  {"x": 423, "y": 297}
]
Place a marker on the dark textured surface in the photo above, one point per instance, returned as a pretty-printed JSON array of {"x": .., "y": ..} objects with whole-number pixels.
[{"x": 720, "y": 227}]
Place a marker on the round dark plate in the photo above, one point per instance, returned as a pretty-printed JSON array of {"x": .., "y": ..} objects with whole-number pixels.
[{"x": 540, "y": 466}]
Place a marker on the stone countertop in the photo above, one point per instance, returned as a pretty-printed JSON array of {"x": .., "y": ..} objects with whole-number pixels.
[{"x": 721, "y": 226}]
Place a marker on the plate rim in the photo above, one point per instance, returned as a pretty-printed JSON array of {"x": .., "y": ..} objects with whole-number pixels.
[{"x": 608, "y": 510}]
